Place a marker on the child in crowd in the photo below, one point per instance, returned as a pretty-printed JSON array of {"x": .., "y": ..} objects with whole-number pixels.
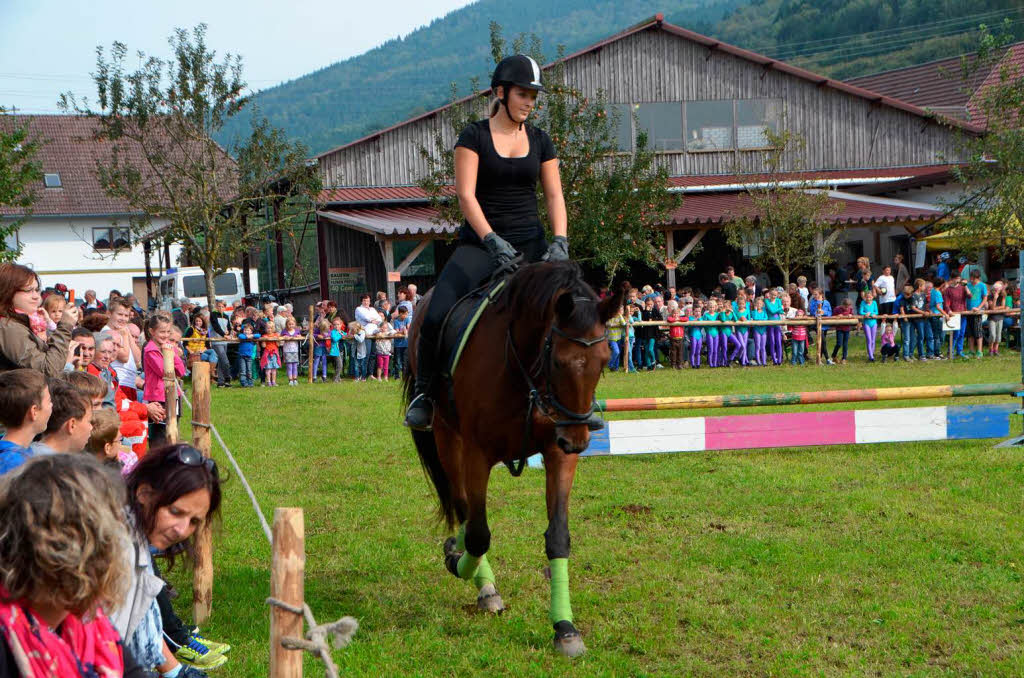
[
  {"x": 869, "y": 309},
  {"x": 676, "y": 334},
  {"x": 70, "y": 423},
  {"x": 400, "y": 323},
  {"x": 159, "y": 334},
  {"x": 729, "y": 337},
  {"x": 633, "y": 353},
  {"x": 385, "y": 346},
  {"x": 741, "y": 307},
  {"x": 246, "y": 354},
  {"x": 291, "y": 350},
  {"x": 798, "y": 337},
  {"x": 845, "y": 308},
  {"x": 25, "y": 408},
  {"x": 773, "y": 305},
  {"x": 760, "y": 333},
  {"x": 321, "y": 337},
  {"x": 616, "y": 334},
  {"x": 889, "y": 342},
  {"x": 105, "y": 442},
  {"x": 712, "y": 333},
  {"x": 337, "y": 341},
  {"x": 360, "y": 351},
  {"x": 53, "y": 305},
  {"x": 696, "y": 337},
  {"x": 820, "y": 307},
  {"x": 270, "y": 357}
]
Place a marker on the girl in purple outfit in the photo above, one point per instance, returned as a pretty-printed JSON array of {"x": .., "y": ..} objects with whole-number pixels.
[{"x": 760, "y": 333}]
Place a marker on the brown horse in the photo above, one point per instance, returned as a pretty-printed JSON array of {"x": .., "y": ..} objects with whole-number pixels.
[{"x": 525, "y": 383}]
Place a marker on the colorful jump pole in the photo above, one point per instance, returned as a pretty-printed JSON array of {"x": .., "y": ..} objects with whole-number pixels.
[{"x": 808, "y": 397}]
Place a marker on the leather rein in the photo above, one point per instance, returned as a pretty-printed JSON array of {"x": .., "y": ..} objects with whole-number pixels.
[{"x": 545, "y": 401}]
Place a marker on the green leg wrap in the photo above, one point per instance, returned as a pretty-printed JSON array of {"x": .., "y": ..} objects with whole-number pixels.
[
  {"x": 561, "y": 610},
  {"x": 468, "y": 566},
  {"x": 483, "y": 573}
]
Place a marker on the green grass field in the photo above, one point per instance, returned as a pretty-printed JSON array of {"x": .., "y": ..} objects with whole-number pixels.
[{"x": 887, "y": 559}]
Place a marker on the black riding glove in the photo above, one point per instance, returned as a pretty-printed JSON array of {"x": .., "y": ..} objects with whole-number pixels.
[
  {"x": 501, "y": 252},
  {"x": 558, "y": 250}
]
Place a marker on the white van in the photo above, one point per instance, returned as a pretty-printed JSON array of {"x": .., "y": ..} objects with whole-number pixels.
[{"x": 190, "y": 283}]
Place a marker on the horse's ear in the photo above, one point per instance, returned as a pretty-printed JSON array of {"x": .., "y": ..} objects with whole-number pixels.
[
  {"x": 607, "y": 309},
  {"x": 564, "y": 304}
]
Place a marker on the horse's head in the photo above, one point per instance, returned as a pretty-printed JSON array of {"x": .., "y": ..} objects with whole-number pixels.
[{"x": 579, "y": 351}]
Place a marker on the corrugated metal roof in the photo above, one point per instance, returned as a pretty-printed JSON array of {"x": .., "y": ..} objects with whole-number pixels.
[
  {"x": 390, "y": 221},
  {"x": 658, "y": 22},
  {"x": 717, "y": 208}
]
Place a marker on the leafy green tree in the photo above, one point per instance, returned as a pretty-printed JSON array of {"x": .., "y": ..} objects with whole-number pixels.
[
  {"x": 993, "y": 214},
  {"x": 20, "y": 172},
  {"x": 161, "y": 119},
  {"x": 787, "y": 229},
  {"x": 614, "y": 200}
]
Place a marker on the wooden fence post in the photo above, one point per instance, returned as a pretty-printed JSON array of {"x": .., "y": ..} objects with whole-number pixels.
[
  {"x": 170, "y": 396},
  {"x": 286, "y": 584},
  {"x": 312, "y": 318},
  {"x": 819, "y": 340},
  {"x": 202, "y": 576}
]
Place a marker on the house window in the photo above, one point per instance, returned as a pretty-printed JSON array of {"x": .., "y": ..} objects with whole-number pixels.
[
  {"x": 663, "y": 123},
  {"x": 621, "y": 118},
  {"x": 709, "y": 125},
  {"x": 753, "y": 116},
  {"x": 110, "y": 239},
  {"x": 51, "y": 180}
]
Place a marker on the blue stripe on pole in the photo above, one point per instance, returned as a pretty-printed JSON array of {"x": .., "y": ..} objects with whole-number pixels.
[{"x": 965, "y": 422}]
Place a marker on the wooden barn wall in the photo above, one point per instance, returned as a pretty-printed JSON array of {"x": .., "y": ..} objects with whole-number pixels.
[
  {"x": 842, "y": 131},
  {"x": 351, "y": 249}
]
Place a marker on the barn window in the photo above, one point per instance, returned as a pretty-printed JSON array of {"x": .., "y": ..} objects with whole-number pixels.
[
  {"x": 753, "y": 117},
  {"x": 663, "y": 122},
  {"x": 621, "y": 118},
  {"x": 709, "y": 125}
]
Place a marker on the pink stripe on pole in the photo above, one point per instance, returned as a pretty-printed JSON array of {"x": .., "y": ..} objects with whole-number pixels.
[{"x": 797, "y": 429}]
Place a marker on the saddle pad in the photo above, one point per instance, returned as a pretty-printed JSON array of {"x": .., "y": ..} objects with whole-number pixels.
[{"x": 460, "y": 321}]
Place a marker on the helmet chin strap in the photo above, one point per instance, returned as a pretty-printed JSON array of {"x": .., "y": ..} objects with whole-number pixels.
[{"x": 504, "y": 102}]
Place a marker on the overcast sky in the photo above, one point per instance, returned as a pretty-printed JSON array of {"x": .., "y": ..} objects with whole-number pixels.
[{"x": 47, "y": 47}]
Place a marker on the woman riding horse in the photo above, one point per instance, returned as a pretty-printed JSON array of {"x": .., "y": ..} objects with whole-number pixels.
[{"x": 497, "y": 164}]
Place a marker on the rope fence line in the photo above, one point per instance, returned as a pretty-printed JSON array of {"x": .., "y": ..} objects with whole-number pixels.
[{"x": 316, "y": 640}]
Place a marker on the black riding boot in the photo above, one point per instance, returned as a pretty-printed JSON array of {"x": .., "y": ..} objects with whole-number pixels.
[{"x": 419, "y": 416}]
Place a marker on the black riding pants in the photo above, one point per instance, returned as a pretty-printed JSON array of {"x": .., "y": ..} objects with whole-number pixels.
[{"x": 468, "y": 268}]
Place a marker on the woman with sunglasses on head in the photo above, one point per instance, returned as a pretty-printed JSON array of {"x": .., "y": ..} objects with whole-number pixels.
[
  {"x": 498, "y": 162},
  {"x": 171, "y": 493},
  {"x": 20, "y": 299}
]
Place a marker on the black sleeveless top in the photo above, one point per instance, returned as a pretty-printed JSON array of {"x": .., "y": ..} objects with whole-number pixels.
[{"x": 507, "y": 187}]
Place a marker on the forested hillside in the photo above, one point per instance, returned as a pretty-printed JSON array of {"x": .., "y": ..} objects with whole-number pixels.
[
  {"x": 407, "y": 76},
  {"x": 848, "y": 38}
]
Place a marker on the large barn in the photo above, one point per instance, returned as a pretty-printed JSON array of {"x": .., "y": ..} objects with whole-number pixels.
[{"x": 705, "y": 106}]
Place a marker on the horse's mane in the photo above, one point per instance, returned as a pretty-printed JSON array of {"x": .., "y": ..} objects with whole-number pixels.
[{"x": 533, "y": 288}]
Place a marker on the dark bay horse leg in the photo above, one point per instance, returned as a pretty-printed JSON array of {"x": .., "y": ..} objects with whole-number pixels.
[
  {"x": 466, "y": 553},
  {"x": 560, "y": 469}
]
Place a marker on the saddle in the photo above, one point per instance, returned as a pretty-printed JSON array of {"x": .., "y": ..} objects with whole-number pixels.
[{"x": 461, "y": 320}]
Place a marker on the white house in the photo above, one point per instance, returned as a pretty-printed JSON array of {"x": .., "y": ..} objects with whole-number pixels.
[{"x": 77, "y": 234}]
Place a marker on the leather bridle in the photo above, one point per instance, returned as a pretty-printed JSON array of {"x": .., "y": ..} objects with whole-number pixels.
[{"x": 545, "y": 401}]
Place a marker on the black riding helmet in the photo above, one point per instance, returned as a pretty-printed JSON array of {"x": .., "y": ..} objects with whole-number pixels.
[{"x": 518, "y": 70}]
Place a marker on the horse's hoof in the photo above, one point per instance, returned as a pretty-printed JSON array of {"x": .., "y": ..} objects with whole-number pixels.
[
  {"x": 489, "y": 600},
  {"x": 451, "y": 556},
  {"x": 568, "y": 641}
]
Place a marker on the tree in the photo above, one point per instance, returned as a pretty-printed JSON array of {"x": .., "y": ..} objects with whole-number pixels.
[
  {"x": 785, "y": 228},
  {"x": 20, "y": 172},
  {"x": 613, "y": 200},
  {"x": 993, "y": 214},
  {"x": 160, "y": 120}
]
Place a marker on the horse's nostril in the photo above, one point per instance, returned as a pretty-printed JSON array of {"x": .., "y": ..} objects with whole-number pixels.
[{"x": 564, "y": 444}]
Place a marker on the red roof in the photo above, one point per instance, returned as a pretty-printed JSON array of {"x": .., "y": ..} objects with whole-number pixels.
[
  {"x": 657, "y": 22},
  {"x": 714, "y": 209},
  {"x": 70, "y": 149},
  {"x": 1013, "y": 63},
  {"x": 940, "y": 85}
]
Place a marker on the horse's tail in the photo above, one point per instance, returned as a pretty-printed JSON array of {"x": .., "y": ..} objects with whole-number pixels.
[{"x": 426, "y": 446}]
